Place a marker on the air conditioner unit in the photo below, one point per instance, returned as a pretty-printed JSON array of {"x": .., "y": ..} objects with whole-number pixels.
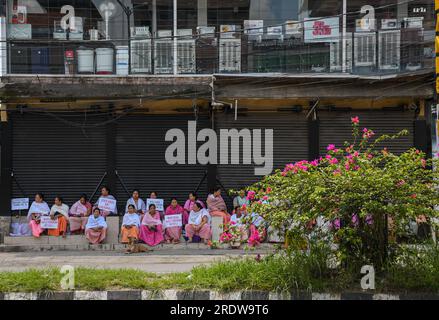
[
  {"x": 364, "y": 49},
  {"x": 254, "y": 29},
  {"x": 163, "y": 56},
  {"x": 274, "y": 33},
  {"x": 387, "y": 24},
  {"x": 141, "y": 56},
  {"x": 389, "y": 44},
  {"x": 186, "y": 56},
  {"x": 293, "y": 29},
  {"x": 164, "y": 34},
  {"x": 413, "y": 22},
  {"x": 365, "y": 25},
  {"x": 336, "y": 54},
  {"x": 184, "y": 33},
  {"x": 230, "y": 55},
  {"x": 140, "y": 32},
  {"x": 208, "y": 32},
  {"x": 228, "y": 31}
]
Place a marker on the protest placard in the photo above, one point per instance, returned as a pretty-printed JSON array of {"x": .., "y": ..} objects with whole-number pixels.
[
  {"x": 157, "y": 202},
  {"x": 107, "y": 204},
  {"x": 173, "y": 220},
  {"x": 19, "y": 204},
  {"x": 47, "y": 223}
]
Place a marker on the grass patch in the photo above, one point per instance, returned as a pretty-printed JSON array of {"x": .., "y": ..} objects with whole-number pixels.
[{"x": 412, "y": 270}]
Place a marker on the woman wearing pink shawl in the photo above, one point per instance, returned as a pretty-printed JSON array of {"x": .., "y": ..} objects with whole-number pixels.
[
  {"x": 154, "y": 195},
  {"x": 78, "y": 215},
  {"x": 173, "y": 234},
  {"x": 151, "y": 231},
  {"x": 217, "y": 207}
]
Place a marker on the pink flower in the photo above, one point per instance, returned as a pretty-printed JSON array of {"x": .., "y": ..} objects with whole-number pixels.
[
  {"x": 268, "y": 190},
  {"x": 328, "y": 156},
  {"x": 314, "y": 163},
  {"x": 355, "y": 120},
  {"x": 265, "y": 198},
  {"x": 333, "y": 161},
  {"x": 369, "y": 219},
  {"x": 335, "y": 224},
  {"x": 330, "y": 147},
  {"x": 346, "y": 165},
  {"x": 251, "y": 195},
  {"x": 244, "y": 207},
  {"x": 400, "y": 183},
  {"x": 367, "y": 134},
  {"x": 355, "y": 220},
  {"x": 336, "y": 172}
]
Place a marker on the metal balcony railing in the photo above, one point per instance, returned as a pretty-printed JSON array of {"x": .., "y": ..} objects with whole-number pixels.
[{"x": 360, "y": 53}]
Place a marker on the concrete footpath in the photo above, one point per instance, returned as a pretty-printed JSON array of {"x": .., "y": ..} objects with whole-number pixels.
[{"x": 157, "y": 262}]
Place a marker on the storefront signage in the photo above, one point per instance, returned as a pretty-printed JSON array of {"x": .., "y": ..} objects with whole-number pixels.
[{"x": 322, "y": 29}]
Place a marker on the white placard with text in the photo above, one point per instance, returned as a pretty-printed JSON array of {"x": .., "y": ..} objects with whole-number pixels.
[
  {"x": 47, "y": 223},
  {"x": 107, "y": 204},
  {"x": 20, "y": 204},
  {"x": 157, "y": 202},
  {"x": 173, "y": 220}
]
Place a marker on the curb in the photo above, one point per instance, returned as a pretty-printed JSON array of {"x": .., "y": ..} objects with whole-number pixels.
[{"x": 209, "y": 295}]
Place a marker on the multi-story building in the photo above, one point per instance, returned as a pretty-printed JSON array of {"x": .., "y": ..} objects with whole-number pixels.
[{"x": 89, "y": 89}]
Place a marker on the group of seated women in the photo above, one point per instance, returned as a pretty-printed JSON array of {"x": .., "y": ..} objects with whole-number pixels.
[{"x": 139, "y": 223}]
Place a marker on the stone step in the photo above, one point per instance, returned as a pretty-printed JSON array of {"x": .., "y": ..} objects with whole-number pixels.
[
  {"x": 24, "y": 244},
  {"x": 46, "y": 240}
]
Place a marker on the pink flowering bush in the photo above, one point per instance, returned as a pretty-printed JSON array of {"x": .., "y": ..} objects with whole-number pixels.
[
  {"x": 231, "y": 234},
  {"x": 351, "y": 196}
]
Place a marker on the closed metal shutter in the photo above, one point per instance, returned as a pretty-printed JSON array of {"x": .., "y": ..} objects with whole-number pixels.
[
  {"x": 336, "y": 128},
  {"x": 290, "y": 143},
  {"x": 140, "y": 158},
  {"x": 55, "y": 157}
]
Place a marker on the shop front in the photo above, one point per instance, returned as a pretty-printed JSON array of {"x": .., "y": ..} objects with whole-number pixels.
[{"x": 122, "y": 37}]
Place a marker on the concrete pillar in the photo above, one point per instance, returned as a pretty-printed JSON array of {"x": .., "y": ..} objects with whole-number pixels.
[
  {"x": 202, "y": 13},
  {"x": 154, "y": 18},
  {"x": 3, "y": 48},
  {"x": 402, "y": 10},
  {"x": 113, "y": 226},
  {"x": 5, "y": 225},
  {"x": 216, "y": 228}
]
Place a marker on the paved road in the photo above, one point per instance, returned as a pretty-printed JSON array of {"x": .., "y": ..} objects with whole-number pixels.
[{"x": 157, "y": 262}]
